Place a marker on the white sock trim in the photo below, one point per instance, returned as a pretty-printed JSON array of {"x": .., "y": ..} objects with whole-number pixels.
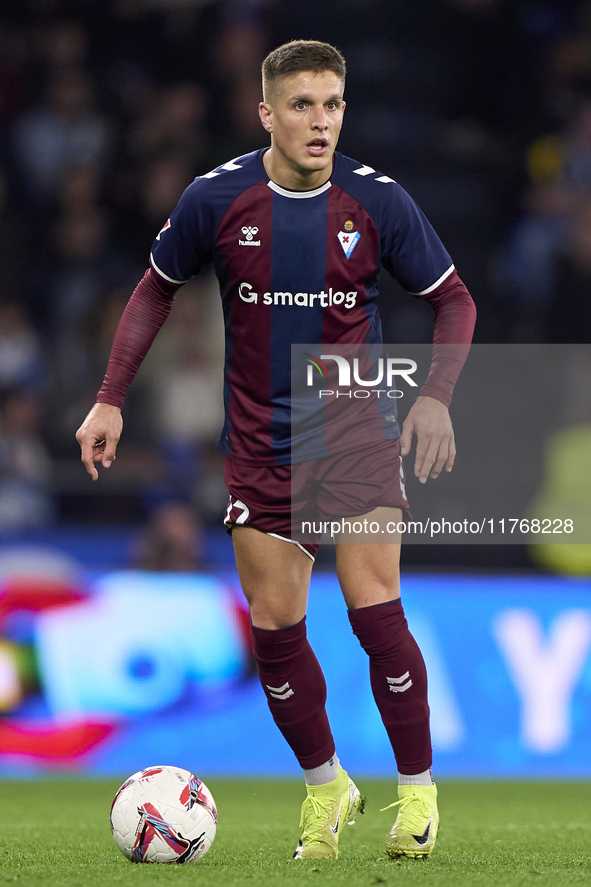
[
  {"x": 327, "y": 772},
  {"x": 423, "y": 778}
]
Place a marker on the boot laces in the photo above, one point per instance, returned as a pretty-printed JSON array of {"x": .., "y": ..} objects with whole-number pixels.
[
  {"x": 315, "y": 813},
  {"x": 413, "y": 814}
]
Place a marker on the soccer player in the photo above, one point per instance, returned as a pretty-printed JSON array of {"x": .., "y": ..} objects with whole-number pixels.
[{"x": 279, "y": 225}]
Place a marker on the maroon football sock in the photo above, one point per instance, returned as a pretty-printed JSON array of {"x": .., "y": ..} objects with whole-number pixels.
[
  {"x": 296, "y": 691},
  {"x": 398, "y": 680}
]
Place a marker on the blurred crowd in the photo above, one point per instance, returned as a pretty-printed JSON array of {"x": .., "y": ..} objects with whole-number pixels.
[{"x": 109, "y": 108}]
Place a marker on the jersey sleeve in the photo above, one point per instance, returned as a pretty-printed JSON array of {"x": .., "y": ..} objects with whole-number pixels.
[
  {"x": 185, "y": 243},
  {"x": 455, "y": 316},
  {"x": 411, "y": 250},
  {"x": 144, "y": 315}
]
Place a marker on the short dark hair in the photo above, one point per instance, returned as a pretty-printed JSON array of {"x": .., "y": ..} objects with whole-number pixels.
[{"x": 301, "y": 55}]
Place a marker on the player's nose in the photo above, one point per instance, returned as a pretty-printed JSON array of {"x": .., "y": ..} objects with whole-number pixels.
[{"x": 319, "y": 120}]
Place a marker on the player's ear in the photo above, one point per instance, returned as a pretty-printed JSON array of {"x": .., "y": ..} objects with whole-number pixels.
[{"x": 266, "y": 115}]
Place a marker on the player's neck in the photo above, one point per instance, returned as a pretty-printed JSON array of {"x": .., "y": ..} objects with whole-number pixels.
[{"x": 293, "y": 179}]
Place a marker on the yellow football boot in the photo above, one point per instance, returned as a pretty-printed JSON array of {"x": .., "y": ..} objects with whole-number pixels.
[
  {"x": 324, "y": 813},
  {"x": 415, "y": 831}
]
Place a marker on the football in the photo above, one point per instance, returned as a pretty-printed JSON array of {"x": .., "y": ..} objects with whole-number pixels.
[{"x": 163, "y": 814}]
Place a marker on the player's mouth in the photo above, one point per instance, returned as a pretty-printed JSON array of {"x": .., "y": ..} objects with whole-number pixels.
[{"x": 317, "y": 147}]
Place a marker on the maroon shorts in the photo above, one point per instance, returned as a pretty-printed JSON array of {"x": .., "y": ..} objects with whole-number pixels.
[{"x": 279, "y": 499}]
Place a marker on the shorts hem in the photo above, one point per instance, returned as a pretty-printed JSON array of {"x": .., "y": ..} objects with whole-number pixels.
[
  {"x": 230, "y": 527},
  {"x": 293, "y": 542}
]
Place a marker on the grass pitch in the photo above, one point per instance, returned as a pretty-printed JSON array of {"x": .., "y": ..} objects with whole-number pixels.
[{"x": 503, "y": 834}]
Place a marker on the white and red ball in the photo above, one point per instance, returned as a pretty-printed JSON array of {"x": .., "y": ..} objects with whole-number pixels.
[{"x": 163, "y": 814}]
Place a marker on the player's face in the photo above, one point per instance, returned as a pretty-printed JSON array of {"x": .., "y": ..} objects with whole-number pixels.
[{"x": 304, "y": 119}]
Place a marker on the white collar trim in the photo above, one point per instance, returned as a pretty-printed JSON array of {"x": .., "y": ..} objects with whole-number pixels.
[{"x": 298, "y": 195}]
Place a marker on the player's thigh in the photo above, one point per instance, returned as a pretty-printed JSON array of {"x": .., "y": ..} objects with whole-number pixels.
[
  {"x": 368, "y": 569},
  {"x": 275, "y": 577}
]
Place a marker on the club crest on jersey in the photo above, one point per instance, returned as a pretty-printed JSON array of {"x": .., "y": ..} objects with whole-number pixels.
[
  {"x": 348, "y": 240},
  {"x": 249, "y": 236},
  {"x": 162, "y": 230}
]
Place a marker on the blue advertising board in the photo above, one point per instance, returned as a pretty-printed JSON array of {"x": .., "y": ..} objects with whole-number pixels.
[{"x": 132, "y": 669}]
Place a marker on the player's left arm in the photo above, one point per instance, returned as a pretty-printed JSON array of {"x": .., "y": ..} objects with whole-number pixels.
[
  {"x": 428, "y": 418},
  {"x": 415, "y": 256}
]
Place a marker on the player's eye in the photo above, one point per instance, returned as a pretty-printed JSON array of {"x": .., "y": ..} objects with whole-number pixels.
[
  {"x": 300, "y": 106},
  {"x": 332, "y": 106}
]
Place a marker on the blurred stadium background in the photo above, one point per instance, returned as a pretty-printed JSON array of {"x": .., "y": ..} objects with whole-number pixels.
[{"x": 123, "y": 640}]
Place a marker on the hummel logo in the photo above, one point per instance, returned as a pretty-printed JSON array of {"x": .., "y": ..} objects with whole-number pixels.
[
  {"x": 249, "y": 233},
  {"x": 283, "y": 692},
  {"x": 396, "y": 685},
  {"x": 422, "y": 839}
]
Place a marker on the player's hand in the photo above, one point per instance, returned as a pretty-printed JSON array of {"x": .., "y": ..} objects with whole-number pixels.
[
  {"x": 436, "y": 448},
  {"x": 99, "y": 435}
]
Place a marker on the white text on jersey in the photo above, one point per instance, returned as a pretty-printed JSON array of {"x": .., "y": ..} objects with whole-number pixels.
[{"x": 302, "y": 300}]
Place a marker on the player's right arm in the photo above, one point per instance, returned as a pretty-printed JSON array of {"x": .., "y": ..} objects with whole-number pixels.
[
  {"x": 179, "y": 251},
  {"x": 144, "y": 315}
]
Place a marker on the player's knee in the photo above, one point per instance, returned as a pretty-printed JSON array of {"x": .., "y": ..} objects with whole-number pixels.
[
  {"x": 273, "y": 619},
  {"x": 369, "y": 591}
]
